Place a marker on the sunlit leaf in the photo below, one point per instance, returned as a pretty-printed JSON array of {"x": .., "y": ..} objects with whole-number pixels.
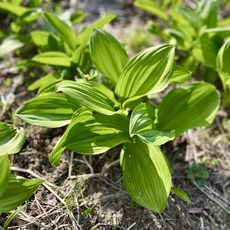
[
  {"x": 10, "y": 44},
  {"x": 46, "y": 84},
  {"x": 205, "y": 51},
  {"x": 91, "y": 134},
  {"x": 222, "y": 64},
  {"x": 180, "y": 74},
  {"x": 43, "y": 38},
  {"x": 147, "y": 176},
  {"x": 83, "y": 38},
  {"x": 30, "y": 16},
  {"x": 49, "y": 110},
  {"x": 107, "y": 54},
  {"x": 92, "y": 95},
  {"x": 152, "y": 7},
  {"x": 13, "y": 8},
  {"x": 12, "y": 215},
  {"x": 191, "y": 106},
  {"x": 17, "y": 191},
  {"x": 221, "y": 32},
  {"x": 142, "y": 125},
  {"x": 53, "y": 58},
  {"x": 209, "y": 13},
  {"x": 81, "y": 57},
  {"x": 78, "y": 16},
  {"x": 181, "y": 194},
  {"x": 5, "y": 172},
  {"x": 142, "y": 118},
  {"x": 66, "y": 33},
  {"x": 191, "y": 17},
  {"x": 11, "y": 139},
  {"x": 148, "y": 72}
]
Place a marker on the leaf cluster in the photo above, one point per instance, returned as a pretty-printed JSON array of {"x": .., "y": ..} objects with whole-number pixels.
[
  {"x": 200, "y": 34},
  {"x": 111, "y": 108}
]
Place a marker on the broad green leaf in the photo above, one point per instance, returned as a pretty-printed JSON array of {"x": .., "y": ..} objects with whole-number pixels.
[
  {"x": 81, "y": 115},
  {"x": 11, "y": 139},
  {"x": 180, "y": 74},
  {"x": 209, "y": 13},
  {"x": 183, "y": 29},
  {"x": 77, "y": 17},
  {"x": 49, "y": 110},
  {"x": 13, "y": 214},
  {"x": 81, "y": 57},
  {"x": 176, "y": 37},
  {"x": 10, "y": 44},
  {"x": 81, "y": 54},
  {"x": 142, "y": 118},
  {"x": 156, "y": 137},
  {"x": 191, "y": 106},
  {"x": 43, "y": 38},
  {"x": 13, "y": 8},
  {"x": 153, "y": 8},
  {"x": 181, "y": 194},
  {"x": 205, "y": 51},
  {"x": 30, "y": 16},
  {"x": 15, "y": 2},
  {"x": 222, "y": 63},
  {"x": 98, "y": 134},
  {"x": 35, "y": 3},
  {"x": 191, "y": 17},
  {"x": 142, "y": 125},
  {"x": 17, "y": 191},
  {"x": 224, "y": 22},
  {"x": 107, "y": 54},
  {"x": 66, "y": 33},
  {"x": 83, "y": 38},
  {"x": 53, "y": 58},
  {"x": 91, "y": 134},
  {"x": 46, "y": 83},
  {"x": 148, "y": 72},
  {"x": 221, "y": 32},
  {"x": 147, "y": 176},
  {"x": 92, "y": 95},
  {"x": 5, "y": 172}
]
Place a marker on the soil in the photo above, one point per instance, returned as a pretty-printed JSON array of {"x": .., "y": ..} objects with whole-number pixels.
[{"x": 91, "y": 186}]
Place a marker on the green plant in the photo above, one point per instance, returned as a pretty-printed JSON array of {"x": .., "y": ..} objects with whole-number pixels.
[
  {"x": 22, "y": 19},
  {"x": 198, "y": 34},
  {"x": 56, "y": 42},
  {"x": 14, "y": 190},
  {"x": 67, "y": 53},
  {"x": 57, "y": 48},
  {"x": 198, "y": 173},
  {"x": 101, "y": 118}
]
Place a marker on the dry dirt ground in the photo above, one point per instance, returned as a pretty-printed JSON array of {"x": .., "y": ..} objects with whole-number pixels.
[{"x": 86, "y": 192}]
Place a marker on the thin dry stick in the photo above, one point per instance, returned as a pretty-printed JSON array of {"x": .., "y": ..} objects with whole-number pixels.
[
  {"x": 217, "y": 194},
  {"x": 107, "y": 166},
  {"x": 70, "y": 164},
  {"x": 132, "y": 225},
  {"x": 201, "y": 223},
  {"x": 86, "y": 163},
  {"x": 85, "y": 176},
  {"x": 24, "y": 216},
  {"x": 108, "y": 225},
  {"x": 219, "y": 125},
  {"x": 89, "y": 164},
  {"x": 212, "y": 198}
]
